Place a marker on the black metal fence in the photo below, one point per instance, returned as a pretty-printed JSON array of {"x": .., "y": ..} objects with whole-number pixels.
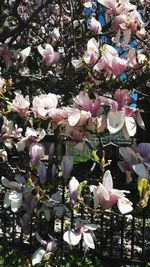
[{"x": 120, "y": 239}]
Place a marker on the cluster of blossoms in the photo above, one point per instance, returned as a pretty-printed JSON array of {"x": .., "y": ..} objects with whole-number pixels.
[{"x": 85, "y": 116}]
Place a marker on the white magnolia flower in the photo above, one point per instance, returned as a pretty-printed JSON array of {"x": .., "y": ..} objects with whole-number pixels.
[{"x": 83, "y": 230}]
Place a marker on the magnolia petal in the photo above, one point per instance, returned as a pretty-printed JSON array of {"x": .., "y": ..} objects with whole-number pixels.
[
  {"x": 107, "y": 180},
  {"x": 73, "y": 118},
  {"x": 124, "y": 205},
  {"x": 51, "y": 246},
  {"x": 88, "y": 239},
  {"x": 118, "y": 193},
  {"x": 5, "y": 182},
  {"x": 71, "y": 237},
  {"x": 128, "y": 154},
  {"x": 25, "y": 53},
  {"x": 7, "y": 201},
  {"x": 102, "y": 193},
  {"x": 16, "y": 200},
  {"x": 14, "y": 185},
  {"x": 140, "y": 170},
  {"x": 42, "y": 171},
  {"x": 130, "y": 126},
  {"x": 67, "y": 166},
  {"x": 115, "y": 121},
  {"x": 37, "y": 256},
  {"x": 91, "y": 226},
  {"x": 77, "y": 63},
  {"x": 73, "y": 186},
  {"x": 93, "y": 189}
]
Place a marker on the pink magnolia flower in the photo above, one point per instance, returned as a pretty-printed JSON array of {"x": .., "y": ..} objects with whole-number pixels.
[
  {"x": 31, "y": 135},
  {"x": 106, "y": 196},
  {"x": 92, "y": 53},
  {"x": 67, "y": 166},
  {"x": 48, "y": 54},
  {"x": 16, "y": 190},
  {"x": 129, "y": 159},
  {"x": 43, "y": 104},
  {"x": 55, "y": 35},
  {"x": 125, "y": 117},
  {"x": 110, "y": 61},
  {"x": 83, "y": 230},
  {"x": 94, "y": 25},
  {"x": 128, "y": 24},
  {"x": 116, "y": 7},
  {"x": 78, "y": 117},
  {"x": 59, "y": 115},
  {"x": 20, "y": 104},
  {"x": 36, "y": 152},
  {"x": 143, "y": 152},
  {"x": 74, "y": 133},
  {"x": 90, "y": 105},
  {"x": 97, "y": 124},
  {"x": 10, "y": 133},
  {"x": 73, "y": 187},
  {"x": 136, "y": 158},
  {"x": 46, "y": 249}
]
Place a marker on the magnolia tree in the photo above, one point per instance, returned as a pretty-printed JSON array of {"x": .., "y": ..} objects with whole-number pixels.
[{"x": 69, "y": 70}]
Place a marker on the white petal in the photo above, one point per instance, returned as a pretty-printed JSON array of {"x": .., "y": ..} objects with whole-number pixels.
[
  {"x": 140, "y": 170},
  {"x": 115, "y": 121},
  {"x": 130, "y": 126},
  {"x": 7, "y": 202},
  {"x": 117, "y": 192},
  {"x": 91, "y": 226},
  {"x": 88, "y": 239},
  {"x": 124, "y": 205},
  {"x": 25, "y": 53},
  {"x": 77, "y": 63},
  {"x": 49, "y": 48},
  {"x": 102, "y": 193},
  {"x": 71, "y": 237},
  {"x": 107, "y": 180},
  {"x": 73, "y": 118},
  {"x": 37, "y": 256},
  {"x": 16, "y": 200}
]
